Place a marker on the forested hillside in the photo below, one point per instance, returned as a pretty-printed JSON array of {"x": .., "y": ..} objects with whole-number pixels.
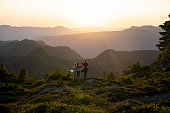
[
  {"x": 25, "y": 47},
  {"x": 41, "y": 58},
  {"x": 117, "y": 61}
]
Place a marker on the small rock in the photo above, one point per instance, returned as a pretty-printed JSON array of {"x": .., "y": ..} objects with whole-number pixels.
[
  {"x": 114, "y": 85},
  {"x": 41, "y": 92},
  {"x": 63, "y": 89},
  {"x": 90, "y": 81},
  {"x": 132, "y": 100},
  {"x": 1, "y": 83}
]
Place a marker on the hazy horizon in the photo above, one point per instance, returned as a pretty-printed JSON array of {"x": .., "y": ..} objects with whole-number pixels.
[
  {"x": 84, "y": 29},
  {"x": 73, "y": 14}
]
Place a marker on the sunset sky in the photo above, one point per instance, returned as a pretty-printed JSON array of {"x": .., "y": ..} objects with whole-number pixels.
[{"x": 82, "y": 13}]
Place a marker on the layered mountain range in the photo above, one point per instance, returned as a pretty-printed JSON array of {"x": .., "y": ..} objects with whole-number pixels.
[
  {"x": 41, "y": 58},
  {"x": 91, "y": 44}
]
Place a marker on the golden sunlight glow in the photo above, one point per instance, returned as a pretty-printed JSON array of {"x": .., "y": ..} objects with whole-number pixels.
[
  {"x": 90, "y": 12},
  {"x": 80, "y": 13}
]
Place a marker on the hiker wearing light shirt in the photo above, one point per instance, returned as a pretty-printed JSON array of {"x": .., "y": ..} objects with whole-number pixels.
[
  {"x": 82, "y": 71},
  {"x": 74, "y": 71},
  {"x": 78, "y": 70}
]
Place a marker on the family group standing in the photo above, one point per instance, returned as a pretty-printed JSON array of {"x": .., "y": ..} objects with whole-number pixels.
[{"x": 80, "y": 70}]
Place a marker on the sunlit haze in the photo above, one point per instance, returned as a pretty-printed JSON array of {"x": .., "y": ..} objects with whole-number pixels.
[{"x": 82, "y": 13}]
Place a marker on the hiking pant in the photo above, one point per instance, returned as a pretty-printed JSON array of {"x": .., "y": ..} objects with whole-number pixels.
[
  {"x": 82, "y": 74},
  {"x": 74, "y": 75},
  {"x": 78, "y": 74},
  {"x": 85, "y": 74}
]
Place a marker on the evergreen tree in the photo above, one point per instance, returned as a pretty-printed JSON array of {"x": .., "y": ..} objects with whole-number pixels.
[
  {"x": 3, "y": 73},
  {"x": 165, "y": 39},
  {"x": 23, "y": 75},
  {"x": 2, "y": 68},
  {"x": 110, "y": 75},
  {"x": 164, "y": 57},
  {"x": 5, "y": 76},
  {"x": 133, "y": 69}
]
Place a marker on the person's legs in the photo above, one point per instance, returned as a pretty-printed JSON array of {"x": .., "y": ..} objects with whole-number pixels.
[
  {"x": 78, "y": 74},
  {"x": 82, "y": 74},
  {"x": 85, "y": 74},
  {"x": 74, "y": 75}
]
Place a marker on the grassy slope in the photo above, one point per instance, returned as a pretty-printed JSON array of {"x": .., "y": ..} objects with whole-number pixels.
[{"x": 93, "y": 95}]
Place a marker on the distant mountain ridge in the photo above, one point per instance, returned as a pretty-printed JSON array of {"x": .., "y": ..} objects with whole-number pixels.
[
  {"x": 27, "y": 47},
  {"x": 8, "y": 32},
  {"x": 39, "y": 57},
  {"x": 91, "y": 44},
  {"x": 117, "y": 61}
]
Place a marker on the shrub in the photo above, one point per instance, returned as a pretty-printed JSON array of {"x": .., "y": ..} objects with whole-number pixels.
[
  {"x": 123, "y": 107},
  {"x": 150, "y": 108},
  {"x": 125, "y": 79},
  {"x": 58, "y": 74},
  {"x": 9, "y": 86},
  {"x": 109, "y": 76},
  {"x": 85, "y": 99},
  {"x": 58, "y": 83},
  {"x": 136, "y": 70},
  {"x": 133, "y": 107},
  {"x": 58, "y": 108}
]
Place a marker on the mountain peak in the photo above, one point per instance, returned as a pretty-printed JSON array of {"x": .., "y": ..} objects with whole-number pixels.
[
  {"x": 107, "y": 54},
  {"x": 133, "y": 27},
  {"x": 110, "y": 50},
  {"x": 5, "y": 26},
  {"x": 143, "y": 27}
]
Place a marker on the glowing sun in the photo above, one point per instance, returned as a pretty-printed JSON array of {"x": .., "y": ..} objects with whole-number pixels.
[{"x": 89, "y": 12}]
